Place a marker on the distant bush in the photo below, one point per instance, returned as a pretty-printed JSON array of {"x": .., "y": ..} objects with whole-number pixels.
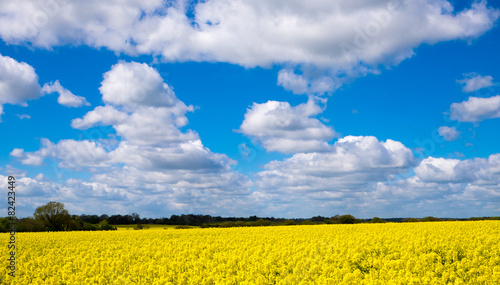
[
  {"x": 430, "y": 219},
  {"x": 262, "y": 223},
  {"x": 227, "y": 224},
  {"x": 483, "y": 218},
  {"x": 105, "y": 226},
  {"x": 333, "y": 220},
  {"x": 377, "y": 220},
  {"x": 88, "y": 227},
  {"x": 410, "y": 220},
  {"x": 257, "y": 223},
  {"x": 140, "y": 227},
  {"x": 348, "y": 219},
  {"x": 319, "y": 219}
]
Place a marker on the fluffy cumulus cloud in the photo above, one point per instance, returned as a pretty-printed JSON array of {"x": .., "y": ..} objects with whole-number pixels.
[
  {"x": 286, "y": 129},
  {"x": 66, "y": 98},
  {"x": 476, "y": 109},
  {"x": 443, "y": 170},
  {"x": 149, "y": 155},
  {"x": 332, "y": 182},
  {"x": 352, "y": 161},
  {"x": 345, "y": 182},
  {"x": 71, "y": 154},
  {"x": 360, "y": 37},
  {"x": 18, "y": 82},
  {"x": 444, "y": 187},
  {"x": 473, "y": 82},
  {"x": 440, "y": 170},
  {"x": 303, "y": 84},
  {"x": 141, "y": 108},
  {"x": 79, "y": 196},
  {"x": 50, "y": 23},
  {"x": 449, "y": 134},
  {"x": 136, "y": 84}
]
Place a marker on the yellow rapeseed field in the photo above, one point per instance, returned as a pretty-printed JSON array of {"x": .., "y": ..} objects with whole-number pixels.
[{"x": 411, "y": 253}]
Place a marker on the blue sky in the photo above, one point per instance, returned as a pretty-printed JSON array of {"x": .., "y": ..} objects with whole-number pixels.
[{"x": 386, "y": 108}]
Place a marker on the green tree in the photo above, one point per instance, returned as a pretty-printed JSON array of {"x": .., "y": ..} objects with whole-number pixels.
[
  {"x": 53, "y": 216},
  {"x": 105, "y": 226},
  {"x": 430, "y": 219},
  {"x": 347, "y": 219},
  {"x": 4, "y": 224},
  {"x": 136, "y": 218},
  {"x": 140, "y": 227},
  {"x": 334, "y": 220},
  {"x": 262, "y": 222},
  {"x": 377, "y": 220},
  {"x": 410, "y": 220},
  {"x": 318, "y": 219},
  {"x": 30, "y": 225}
]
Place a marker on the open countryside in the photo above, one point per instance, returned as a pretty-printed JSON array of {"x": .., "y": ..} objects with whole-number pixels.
[
  {"x": 264, "y": 142},
  {"x": 392, "y": 253}
]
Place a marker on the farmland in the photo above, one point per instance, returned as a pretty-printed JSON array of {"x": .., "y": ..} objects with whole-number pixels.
[{"x": 406, "y": 253}]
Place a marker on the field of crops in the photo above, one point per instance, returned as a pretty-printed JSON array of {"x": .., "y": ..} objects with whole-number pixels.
[{"x": 412, "y": 253}]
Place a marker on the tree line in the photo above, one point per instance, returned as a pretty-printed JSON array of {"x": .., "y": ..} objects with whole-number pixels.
[{"x": 54, "y": 217}]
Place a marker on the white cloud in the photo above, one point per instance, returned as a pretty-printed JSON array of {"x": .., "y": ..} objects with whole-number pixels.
[
  {"x": 476, "y": 109},
  {"x": 349, "y": 166},
  {"x": 336, "y": 182},
  {"x": 264, "y": 32},
  {"x": 180, "y": 173},
  {"x": 102, "y": 115},
  {"x": 23, "y": 116},
  {"x": 66, "y": 98},
  {"x": 17, "y": 152},
  {"x": 442, "y": 170},
  {"x": 494, "y": 163},
  {"x": 18, "y": 82},
  {"x": 292, "y": 82},
  {"x": 441, "y": 187},
  {"x": 358, "y": 190},
  {"x": 140, "y": 107},
  {"x": 152, "y": 156},
  {"x": 71, "y": 154},
  {"x": 416, "y": 198},
  {"x": 117, "y": 196},
  {"x": 188, "y": 178},
  {"x": 357, "y": 40},
  {"x": 438, "y": 170},
  {"x": 449, "y": 134},
  {"x": 189, "y": 155},
  {"x": 473, "y": 82},
  {"x": 133, "y": 84},
  {"x": 299, "y": 84},
  {"x": 143, "y": 126},
  {"x": 283, "y": 128},
  {"x": 445, "y": 188},
  {"x": 94, "y": 23}
]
